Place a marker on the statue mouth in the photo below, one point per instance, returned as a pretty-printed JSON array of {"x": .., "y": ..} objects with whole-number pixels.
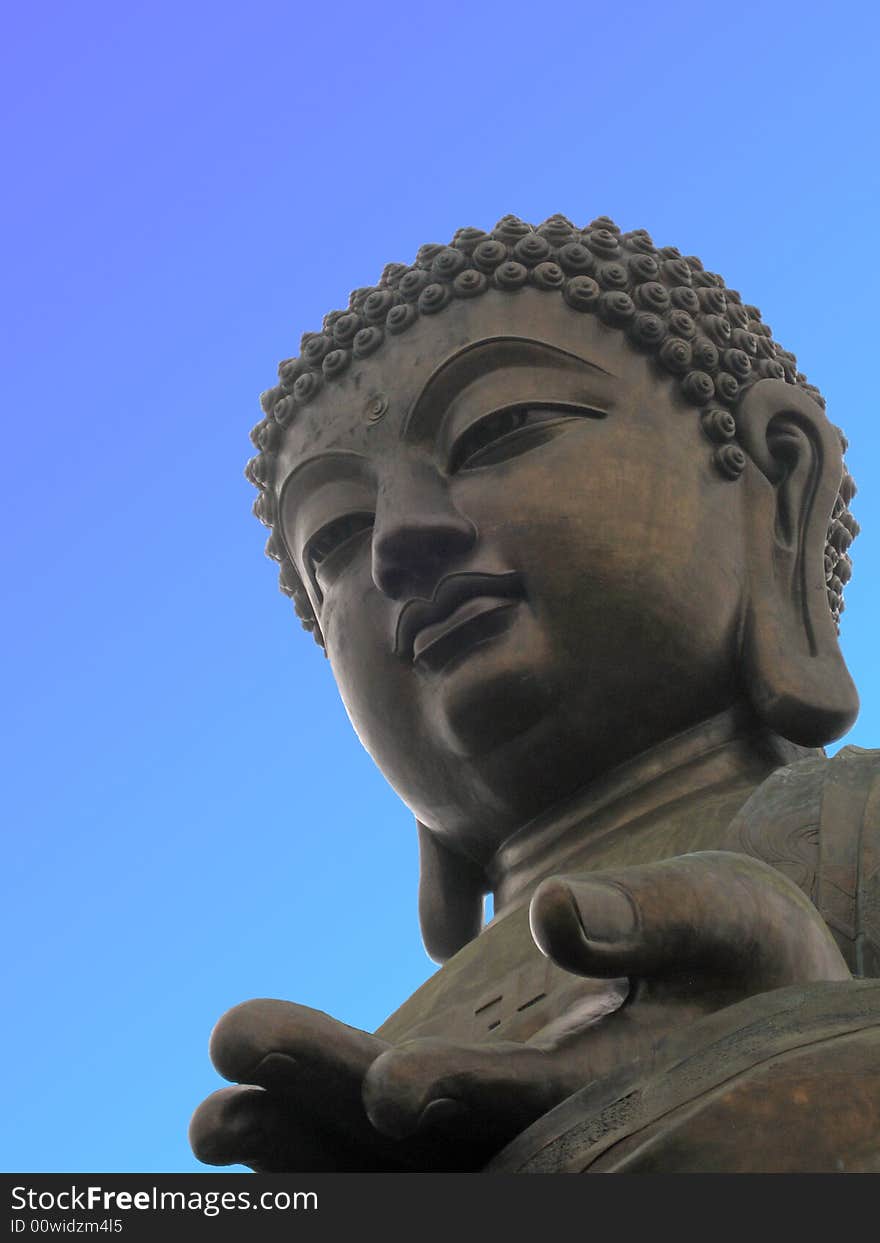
[{"x": 466, "y": 609}]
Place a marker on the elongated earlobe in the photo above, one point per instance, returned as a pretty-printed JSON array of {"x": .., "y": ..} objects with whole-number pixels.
[
  {"x": 451, "y": 890},
  {"x": 795, "y": 674}
]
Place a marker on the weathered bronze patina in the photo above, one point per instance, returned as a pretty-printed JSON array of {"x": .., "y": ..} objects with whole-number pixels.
[{"x": 573, "y": 531}]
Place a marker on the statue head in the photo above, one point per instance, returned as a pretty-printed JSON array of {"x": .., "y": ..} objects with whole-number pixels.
[{"x": 547, "y": 497}]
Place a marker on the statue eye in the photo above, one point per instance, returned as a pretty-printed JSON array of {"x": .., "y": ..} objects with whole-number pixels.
[
  {"x": 513, "y": 430},
  {"x": 339, "y": 536}
]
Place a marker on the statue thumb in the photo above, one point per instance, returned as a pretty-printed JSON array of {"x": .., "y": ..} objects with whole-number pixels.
[{"x": 714, "y": 912}]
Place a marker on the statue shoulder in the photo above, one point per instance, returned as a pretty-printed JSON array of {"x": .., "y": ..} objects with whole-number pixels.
[{"x": 818, "y": 821}]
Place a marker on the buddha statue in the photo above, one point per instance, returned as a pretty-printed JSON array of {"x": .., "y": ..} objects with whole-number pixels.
[{"x": 573, "y": 533}]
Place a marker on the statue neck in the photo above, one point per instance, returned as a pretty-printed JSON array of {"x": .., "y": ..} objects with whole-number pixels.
[{"x": 729, "y": 752}]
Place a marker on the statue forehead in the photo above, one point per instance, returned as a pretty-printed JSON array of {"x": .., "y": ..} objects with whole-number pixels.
[{"x": 367, "y": 407}]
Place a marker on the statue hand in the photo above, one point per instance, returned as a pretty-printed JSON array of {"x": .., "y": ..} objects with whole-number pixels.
[
  {"x": 298, "y": 1104},
  {"x": 688, "y": 935}
]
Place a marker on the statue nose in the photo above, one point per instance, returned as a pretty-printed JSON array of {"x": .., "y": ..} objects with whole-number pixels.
[{"x": 418, "y": 537}]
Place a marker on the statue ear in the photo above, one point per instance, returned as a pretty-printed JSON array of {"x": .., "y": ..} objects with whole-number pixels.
[
  {"x": 451, "y": 890},
  {"x": 795, "y": 675}
]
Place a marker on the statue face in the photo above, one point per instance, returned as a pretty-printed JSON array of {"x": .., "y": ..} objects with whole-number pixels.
[{"x": 523, "y": 564}]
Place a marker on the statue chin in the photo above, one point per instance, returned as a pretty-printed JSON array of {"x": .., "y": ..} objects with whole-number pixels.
[{"x": 487, "y": 701}]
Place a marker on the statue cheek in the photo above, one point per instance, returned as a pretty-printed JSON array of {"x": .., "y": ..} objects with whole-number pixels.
[{"x": 353, "y": 618}]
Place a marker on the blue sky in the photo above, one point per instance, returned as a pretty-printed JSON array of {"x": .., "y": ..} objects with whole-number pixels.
[{"x": 190, "y": 820}]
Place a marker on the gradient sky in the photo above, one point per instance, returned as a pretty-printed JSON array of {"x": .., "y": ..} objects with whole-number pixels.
[{"x": 189, "y": 819}]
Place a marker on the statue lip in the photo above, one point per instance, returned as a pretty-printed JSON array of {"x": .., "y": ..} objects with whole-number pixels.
[{"x": 449, "y": 595}]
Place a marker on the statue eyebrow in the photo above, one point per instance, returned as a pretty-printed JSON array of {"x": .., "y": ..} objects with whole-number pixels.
[
  {"x": 450, "y": 378},
  {"x": 312, "y": 472},
  {"x": 477, "y": 359}
]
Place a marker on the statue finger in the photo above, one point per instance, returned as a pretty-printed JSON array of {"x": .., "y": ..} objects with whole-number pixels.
[
  {"x": 250, "y": 1033},
  {"x": 247, "y": 1125},
  {"x": 715, "y": 912},
  {"x": 477, "y": 1095},
  {"x": 316, "y": 1063}
]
